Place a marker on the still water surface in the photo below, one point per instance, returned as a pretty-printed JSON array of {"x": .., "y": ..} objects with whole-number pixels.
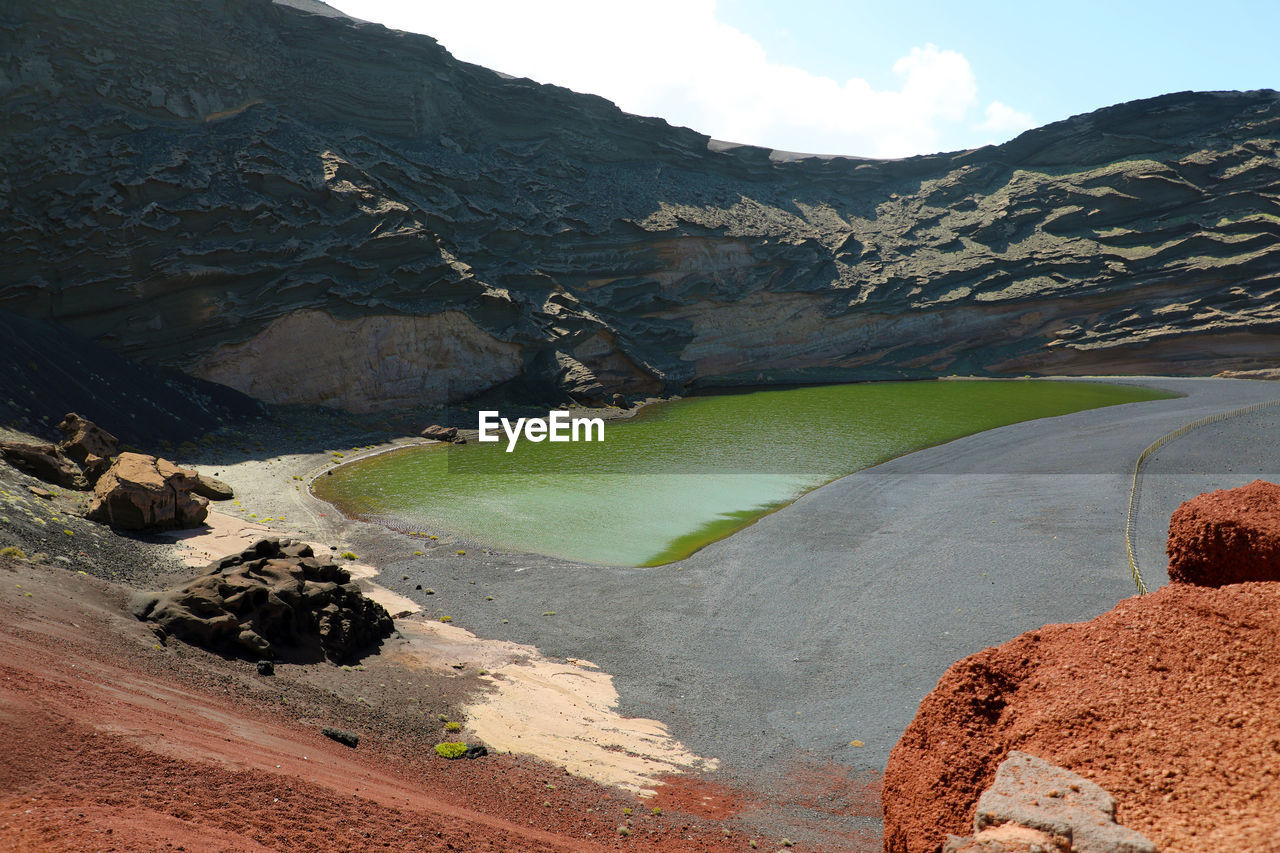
[{"x": 682, "y": 474}]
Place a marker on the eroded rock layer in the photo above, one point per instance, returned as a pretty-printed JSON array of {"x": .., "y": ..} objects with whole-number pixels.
[{"x": 193, "y": 181}]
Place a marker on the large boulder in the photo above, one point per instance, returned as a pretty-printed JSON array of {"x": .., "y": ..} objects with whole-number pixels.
[
  {"x": 141, "y": 492},
  {"x": 1167, "y": 701},
  {"x": 45, "y": 462},
  {"x": 1228, "y": 536},
  {"x": 212, "y": 488},
  {"x": 275, "y": 599}
]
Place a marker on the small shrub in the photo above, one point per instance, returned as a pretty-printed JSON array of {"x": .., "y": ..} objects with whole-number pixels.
[
  {"x": 453, "y": 726},
  {"x": 446, "y": 618},
  {"x": 13, "y": 552},
  {"x": 347, "y": 555},
  {"x": 451, "y": 750}
]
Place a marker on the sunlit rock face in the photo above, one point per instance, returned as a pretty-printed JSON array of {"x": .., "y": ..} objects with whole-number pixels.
[{"x": 191, "y": 181}]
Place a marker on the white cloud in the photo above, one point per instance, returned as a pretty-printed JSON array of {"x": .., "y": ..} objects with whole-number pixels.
[
  {"x": 675, "y": 59},
  {"x": 1005, "y": 120}
]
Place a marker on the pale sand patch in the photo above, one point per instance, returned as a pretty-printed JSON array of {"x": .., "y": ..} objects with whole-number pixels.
[
  {"x": 226, "y": 534},
  {"x": 396, "y": 604},
  {"x": 563, "y": 713}
]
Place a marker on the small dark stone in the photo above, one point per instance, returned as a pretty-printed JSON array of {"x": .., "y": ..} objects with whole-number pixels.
[
  {"x": 342, "y": 736},
  {"x": 266, "y": 667},
  {"x": 476, "y": 751}
]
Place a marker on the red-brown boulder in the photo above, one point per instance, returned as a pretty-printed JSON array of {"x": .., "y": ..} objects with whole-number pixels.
[
  {"x": 85, "y": 439},
  {"x": 1228, "y": 536},
  {"x": 140, "y": 492},
  {"x": 1167, "y": 701},
  {"x": 45, "y": 462}
]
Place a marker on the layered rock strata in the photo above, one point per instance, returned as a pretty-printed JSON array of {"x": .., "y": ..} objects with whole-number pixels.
[{"x": 252, "y": 192}]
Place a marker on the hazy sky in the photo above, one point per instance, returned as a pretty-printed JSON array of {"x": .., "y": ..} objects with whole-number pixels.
[{"x": 885, "y": 79}]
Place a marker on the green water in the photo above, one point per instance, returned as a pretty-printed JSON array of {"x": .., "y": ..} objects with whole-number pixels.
[{"x": 683, "y": 474}]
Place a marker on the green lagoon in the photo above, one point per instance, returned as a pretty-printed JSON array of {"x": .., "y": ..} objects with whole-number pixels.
[{"x": 684, "y": 473}]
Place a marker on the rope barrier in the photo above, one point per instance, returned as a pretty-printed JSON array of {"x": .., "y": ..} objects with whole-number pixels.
[{"x": 1137, "y": 474}]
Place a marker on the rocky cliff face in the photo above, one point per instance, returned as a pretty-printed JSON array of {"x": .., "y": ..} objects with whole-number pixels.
[{"x": 239, "y": 187}]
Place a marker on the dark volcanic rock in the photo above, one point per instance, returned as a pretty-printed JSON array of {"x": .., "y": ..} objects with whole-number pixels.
[
  {"x": 342, "y": 736},
  {"x": 52, "y": 370},
  {"x": 141, "y": 492},
  {"x": 235, "y": 202},
  {"x": 274, "y": 599},
  {"x": 1228, "y": 536}
]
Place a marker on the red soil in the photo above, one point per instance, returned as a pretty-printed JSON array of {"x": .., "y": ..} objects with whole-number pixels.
[
  {"x": 112, "y": 742},
  {"x": 1228, "y": 536},
  {"x": 1167, "y": 701}
]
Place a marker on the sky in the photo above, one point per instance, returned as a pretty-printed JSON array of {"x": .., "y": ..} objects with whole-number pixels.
[{"x": 875, "y": 79}]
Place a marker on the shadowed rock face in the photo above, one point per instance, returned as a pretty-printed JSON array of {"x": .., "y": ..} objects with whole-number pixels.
[{"x": 203, "y": 184}]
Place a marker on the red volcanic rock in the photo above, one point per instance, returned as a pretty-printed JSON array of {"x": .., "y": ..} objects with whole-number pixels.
[
  {"x": 1228, "y": 536},
  {"x": 140, "y": 492},
  {"x": 1167, "y": 701}
]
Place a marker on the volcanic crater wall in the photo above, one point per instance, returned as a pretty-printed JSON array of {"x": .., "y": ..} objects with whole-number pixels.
[{"x": 184, "y": 176}]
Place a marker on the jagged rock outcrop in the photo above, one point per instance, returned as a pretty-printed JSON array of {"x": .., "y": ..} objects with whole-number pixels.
[
  {"x": 45, "y": 462},
  {"x": 141, "y": 492},
  {"x": 234, "y": 202},
  {"x": 1074, "y": 814},
  {"x": 88, "y": 444},
  {"x": 272, "y": 599},
  {"x": 76, "y": 462},
  {"x": 1227, "y": 536}
]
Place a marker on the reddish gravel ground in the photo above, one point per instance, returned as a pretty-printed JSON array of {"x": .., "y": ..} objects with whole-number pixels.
[
  {"x": 113, "y": 742},
  {"x": 1168, "y": 701}
]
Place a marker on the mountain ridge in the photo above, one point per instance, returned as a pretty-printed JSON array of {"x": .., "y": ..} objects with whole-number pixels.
[{"x": 313, "y": 209}]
